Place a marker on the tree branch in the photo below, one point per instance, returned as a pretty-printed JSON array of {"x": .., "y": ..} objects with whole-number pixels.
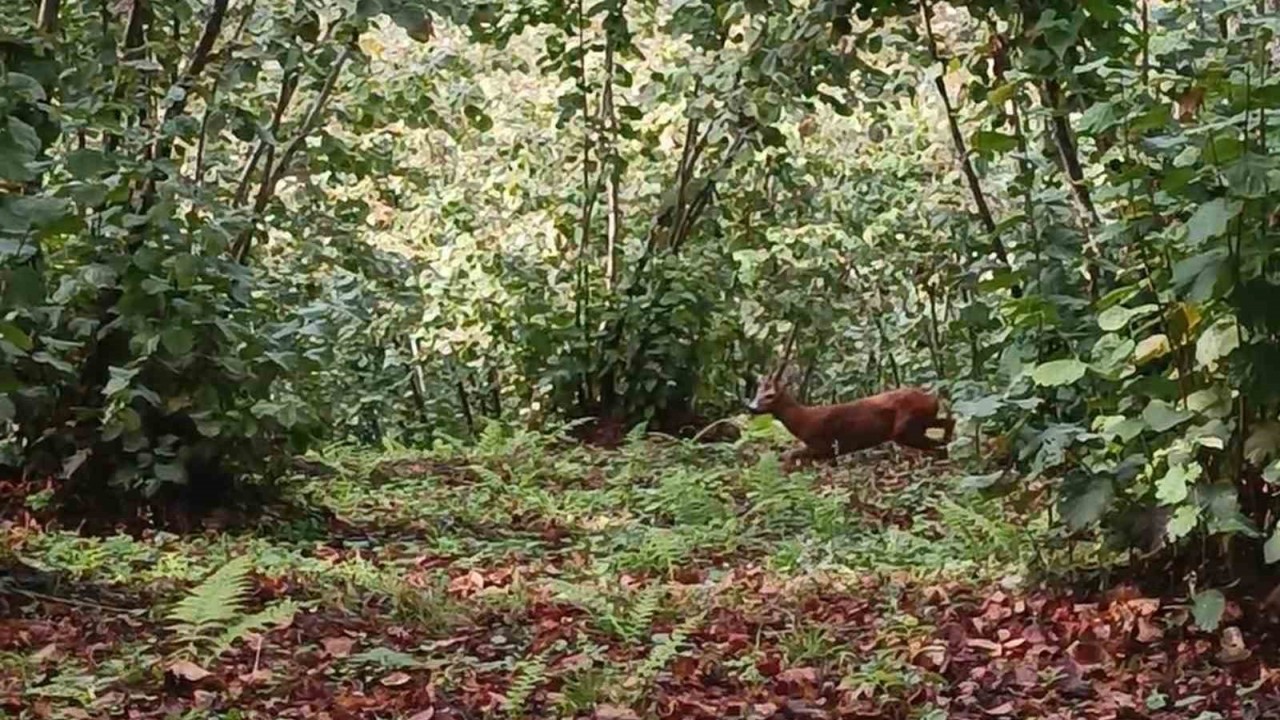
[
  {"x": 957, "y": 138},
  {"x": 186, "y": 83},
  {"x": 288, "y": 84},
  {"x": 273, "y": 175},
  {"x": 613, "y": 221},
  {"x": 1067, "y": 148},
  {"x": 47, "y": 17}
]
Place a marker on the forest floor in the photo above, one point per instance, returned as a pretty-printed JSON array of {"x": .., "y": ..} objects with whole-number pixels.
[{"x": 526, "y": 578}]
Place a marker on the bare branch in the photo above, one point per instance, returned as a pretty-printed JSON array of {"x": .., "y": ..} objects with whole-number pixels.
[
  {"x": 614, "y": 214},
  {"x": 957, "y": 138},
  {"x": 288, "y": 85},
  {"x": 273, "y": 175},
  {"x": 47, "y": 16}
]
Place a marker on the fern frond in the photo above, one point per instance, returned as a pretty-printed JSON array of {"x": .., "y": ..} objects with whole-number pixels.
[
  {"x": 644, "y": 610},
  {"x": 216, "y": 600},
  {"x": 277, "y": 614},
  {"x": 527, "y": 675}
]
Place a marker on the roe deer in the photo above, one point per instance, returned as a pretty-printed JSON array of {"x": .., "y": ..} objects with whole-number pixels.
[{"x": 902, "y": 416}]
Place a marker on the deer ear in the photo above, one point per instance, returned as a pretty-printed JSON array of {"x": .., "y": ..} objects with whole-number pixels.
[{"x": 789, "y": 376}]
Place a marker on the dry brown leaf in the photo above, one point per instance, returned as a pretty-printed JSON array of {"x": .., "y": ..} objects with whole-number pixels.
[
  {"x": 396, "y": 679},
  {"x": 1148, "y": 631},
  {"x": 48, "y": 652},
  {"x": 615, "y": 712},
  {"x": 799, "y": 675},
  {"x": 994, "y": 648},
  {"x": 1001, "y": 709},
  {"x": 338, "y": 647},
  {"x": 425, "y": 714},
  {"x": 1233, "y": 648},
  {"x": 1189, "y": 104},
  {"x": 261, "y": 675},
  {"x": 189, "y": 671}
]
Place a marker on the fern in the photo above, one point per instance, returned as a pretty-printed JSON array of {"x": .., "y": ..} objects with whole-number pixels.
[
  {"x": 645, "y": 608},
  {"x": 271, "y": 616},
  {"x": 215, "y": 602},
  {"x": 211, "y": 618},
  {"x": 527, "y": 675}
]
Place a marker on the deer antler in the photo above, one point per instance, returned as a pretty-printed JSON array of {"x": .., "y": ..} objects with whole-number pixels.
[{"x": 786, "y": 353}]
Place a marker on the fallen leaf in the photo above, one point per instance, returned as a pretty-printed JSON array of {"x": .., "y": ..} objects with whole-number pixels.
[
  {"x": 1087, "y": 653},
  {"x": 1233, "y": 648},
  {"x": 1001, "y": 709},
  {"x": 1148, "y": 631},
  {"x": 188, "y": 671},
  {"x": 261, "y": 675},
  {"x": 992, "y": 647},
  {"x": 425, "y": 714},
  {"x": 48, "y": 652},
  {"x": 799, "y": 676},
  {"x": 685, "y": 667},
  {"x": 338, "y": 647},
  {"x": 614, "y": 712},
  {"x": 395, "y": 679}
]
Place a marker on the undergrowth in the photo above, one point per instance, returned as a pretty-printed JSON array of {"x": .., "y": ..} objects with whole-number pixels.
[{"x": 632, "y": 553}]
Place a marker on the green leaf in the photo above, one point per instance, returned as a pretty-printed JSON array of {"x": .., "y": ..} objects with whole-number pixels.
[
  {"x": 1184, "y": 520},
  {"x": 1217, "y": 342},
  {"x": 1161, "y": 416},
  {"x": 86, "y": 163},
  {"x": 983, "y": 407},
  {"x": 989, "y": 141},
  {"x": 75, "y": 461},
  {"x": 1115, "y": 318},
  {"x": 1111, "y": 354},
  {"x": 478, "y": 118},
  {"x": 1271, "y": 550},
  {"x": 15, "y": 336},
  {"x": 172, "y": 472},
  {"x": 1207, "y": 608},
  {"x": 1173, "y": 487},
  {"x": 120, "y": 380},
  {"x": 177, "y": 340},
  {"x": 1083, "y": 509},
  {"x": 1103, "y": 10},
  {"x": 19, "y": 145},
  {"x": 1211, "y": 219},
  {"x": 1272, "y": 473},
  {"x": 1119, "y": 427},
  {"x": 8, "y": 411},
  {"x": 1058, "y": 372},
  {"x": 21, "y": 287},
  {"x": 1099, "y": 118}
]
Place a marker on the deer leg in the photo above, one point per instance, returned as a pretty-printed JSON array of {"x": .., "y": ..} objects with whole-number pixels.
[
  {"x": 803, "y": 455},
  {"x": 948, "y": 426},
  {"x": 913, "y": 436}
]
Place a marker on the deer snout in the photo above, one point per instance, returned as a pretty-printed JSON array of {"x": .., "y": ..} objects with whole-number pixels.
[{"x": 753, "y": 406}]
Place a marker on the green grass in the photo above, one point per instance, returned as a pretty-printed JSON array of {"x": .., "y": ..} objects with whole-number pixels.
[{"x": 565, "y": 576}]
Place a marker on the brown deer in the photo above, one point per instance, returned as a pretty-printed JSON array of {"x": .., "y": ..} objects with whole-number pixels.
[{"x": 903, "y": 416}]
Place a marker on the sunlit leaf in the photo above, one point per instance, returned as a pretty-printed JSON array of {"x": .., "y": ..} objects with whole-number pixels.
[
  {"x": 1161, "y": 416},
  {"x": 1059, "y": 372},
  {"x": 1207, "y": 608}
]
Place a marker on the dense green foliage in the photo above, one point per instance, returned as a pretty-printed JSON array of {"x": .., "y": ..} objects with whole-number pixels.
[{"x": 1062, "y": 214}]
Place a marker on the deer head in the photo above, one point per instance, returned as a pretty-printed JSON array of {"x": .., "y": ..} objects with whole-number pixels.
[{"x": 773, "y": 387}]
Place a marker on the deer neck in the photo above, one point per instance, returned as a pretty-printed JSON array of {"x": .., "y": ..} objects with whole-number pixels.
[{"x": 791, "y": 413}]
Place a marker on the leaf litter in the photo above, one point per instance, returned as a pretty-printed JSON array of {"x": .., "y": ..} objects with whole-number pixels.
[{"x": 538, "y": 626}]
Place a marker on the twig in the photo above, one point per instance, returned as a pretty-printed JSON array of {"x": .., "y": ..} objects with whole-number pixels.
[
  {"x": 70, "y": 601},
  {"x": 272, "y": 176}
]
